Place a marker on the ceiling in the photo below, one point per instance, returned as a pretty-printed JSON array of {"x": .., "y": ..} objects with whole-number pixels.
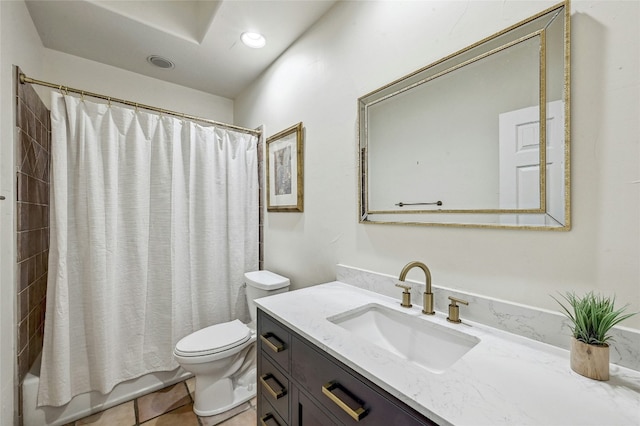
[{"x": 201, "y": 37}]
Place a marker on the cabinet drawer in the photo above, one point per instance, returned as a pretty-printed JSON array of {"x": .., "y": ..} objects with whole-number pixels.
[
  {"x": 268, "y": 416},
  {"x": 274, "y": 340},
  {"x": 274, "y": 388},
  {"x": 307, "y": 413},
  {"x": 342, "y": 394}
]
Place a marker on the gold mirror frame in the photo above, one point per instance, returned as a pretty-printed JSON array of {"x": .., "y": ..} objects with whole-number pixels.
[{"x": 534, "y": 219}]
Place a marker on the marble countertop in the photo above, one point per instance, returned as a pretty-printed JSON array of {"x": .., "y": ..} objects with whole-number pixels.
[{"x": 504, "y": 380}]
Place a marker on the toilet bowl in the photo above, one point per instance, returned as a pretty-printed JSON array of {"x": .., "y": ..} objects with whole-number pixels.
[{"x": 222, "y": 356}]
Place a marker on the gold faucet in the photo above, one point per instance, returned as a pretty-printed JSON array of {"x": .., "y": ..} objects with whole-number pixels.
[{"x": 428, "y": 295}]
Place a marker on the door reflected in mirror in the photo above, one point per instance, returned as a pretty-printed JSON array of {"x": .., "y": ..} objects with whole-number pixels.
[{"x": 479, "y": 138}]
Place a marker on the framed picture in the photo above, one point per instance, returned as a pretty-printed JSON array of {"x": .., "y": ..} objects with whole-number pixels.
[{"x": 285, "y": 187}]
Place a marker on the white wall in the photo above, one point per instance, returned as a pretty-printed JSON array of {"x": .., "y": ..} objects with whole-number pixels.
[
  {"x": 20, "y": 45},
  {"x": 360, "y": 46},
  {"x": 107, "y": 80}
]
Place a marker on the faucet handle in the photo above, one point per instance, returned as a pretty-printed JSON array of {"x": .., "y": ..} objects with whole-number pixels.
[
  {"x": 454, "y": 309},
  {"x": 406, "y": 296}
]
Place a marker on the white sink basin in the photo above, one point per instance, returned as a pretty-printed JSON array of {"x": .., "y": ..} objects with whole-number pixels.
[{"x": 418, "y": 340}]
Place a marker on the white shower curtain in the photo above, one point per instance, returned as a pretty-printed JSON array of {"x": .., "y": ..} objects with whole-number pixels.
[{"x": 154, "y": 221}]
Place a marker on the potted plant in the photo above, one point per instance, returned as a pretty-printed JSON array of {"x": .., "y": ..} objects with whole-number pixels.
[{"x": 592, "y": 317}]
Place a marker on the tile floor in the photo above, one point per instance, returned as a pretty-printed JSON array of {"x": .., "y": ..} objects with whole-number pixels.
[{"x": 171, "y": 406}]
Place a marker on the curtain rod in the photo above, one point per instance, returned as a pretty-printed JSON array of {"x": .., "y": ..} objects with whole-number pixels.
[{"x": 24, "y": 79}]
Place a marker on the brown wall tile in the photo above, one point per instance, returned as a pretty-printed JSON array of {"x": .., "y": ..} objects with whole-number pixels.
[
  {"x": 23, "y": 307},
  {"x": 23, "y": 362},
  {"x": 23, "y": 333},
  {"x": 32, "y": 166}
]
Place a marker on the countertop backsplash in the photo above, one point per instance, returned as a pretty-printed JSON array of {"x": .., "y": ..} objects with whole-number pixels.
[{"x": 538, "y": 324}]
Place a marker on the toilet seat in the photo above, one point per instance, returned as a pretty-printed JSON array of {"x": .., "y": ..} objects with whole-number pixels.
[{"x": 213, "y": 339}]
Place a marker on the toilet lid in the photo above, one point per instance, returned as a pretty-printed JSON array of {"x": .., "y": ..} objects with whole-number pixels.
[
  {"x": 213, "y": 339},
  {"x": 266, "y": 280}
]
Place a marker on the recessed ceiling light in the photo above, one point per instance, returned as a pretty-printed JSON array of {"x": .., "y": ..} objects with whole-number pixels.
[
  {"x": 253, "y": 40},
  {"x": 160, "y": 62}
]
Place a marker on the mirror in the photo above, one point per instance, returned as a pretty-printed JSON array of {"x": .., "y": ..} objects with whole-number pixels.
[{"x": 479, "y": 138}]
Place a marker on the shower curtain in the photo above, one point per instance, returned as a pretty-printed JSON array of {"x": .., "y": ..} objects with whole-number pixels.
[{"x": 154, "y": 221}]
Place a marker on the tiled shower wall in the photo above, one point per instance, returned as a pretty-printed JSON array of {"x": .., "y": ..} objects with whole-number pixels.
[{"x": 33, "y": 160}]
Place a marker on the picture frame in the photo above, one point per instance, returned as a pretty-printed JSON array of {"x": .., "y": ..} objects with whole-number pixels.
[{"x": 285, "y": 170}]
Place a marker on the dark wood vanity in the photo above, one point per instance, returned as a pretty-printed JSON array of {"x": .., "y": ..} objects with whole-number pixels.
[{"x": 299, "y": 384}]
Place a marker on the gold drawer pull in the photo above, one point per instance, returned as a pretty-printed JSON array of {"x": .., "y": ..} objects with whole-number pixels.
[
  {"x": 358, "y": 413},
  {"x": 277, "y": 395},
  {"x": 267, "y": 417},
  {"x": 277, "y": 347}
]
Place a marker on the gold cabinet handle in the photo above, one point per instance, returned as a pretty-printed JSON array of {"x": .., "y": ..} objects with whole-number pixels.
[
  {"x": 276, "y": 394},
  {"x": 276, "y": 347},
  {"x": 356, "y": 414},
  {"x": 264, "y": 419}
]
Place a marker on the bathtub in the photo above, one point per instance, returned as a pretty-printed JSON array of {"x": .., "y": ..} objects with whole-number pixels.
[{"x": 88, "y": 403}]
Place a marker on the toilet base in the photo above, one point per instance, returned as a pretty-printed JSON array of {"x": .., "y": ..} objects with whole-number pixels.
[{"x": 218, "y": 397}]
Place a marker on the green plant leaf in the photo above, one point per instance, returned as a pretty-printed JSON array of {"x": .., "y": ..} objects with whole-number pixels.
[{"x": 592, "y": 316}]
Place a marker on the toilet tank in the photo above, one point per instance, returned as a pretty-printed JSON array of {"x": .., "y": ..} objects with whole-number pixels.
[{"x": 263, "y": 284}]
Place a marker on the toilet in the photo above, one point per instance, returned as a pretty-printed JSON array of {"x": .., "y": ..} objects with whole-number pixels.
[{"x": 222, "y": 356}]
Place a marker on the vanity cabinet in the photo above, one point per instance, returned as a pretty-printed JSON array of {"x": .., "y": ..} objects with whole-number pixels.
[{"x": 298, "y": 384}]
